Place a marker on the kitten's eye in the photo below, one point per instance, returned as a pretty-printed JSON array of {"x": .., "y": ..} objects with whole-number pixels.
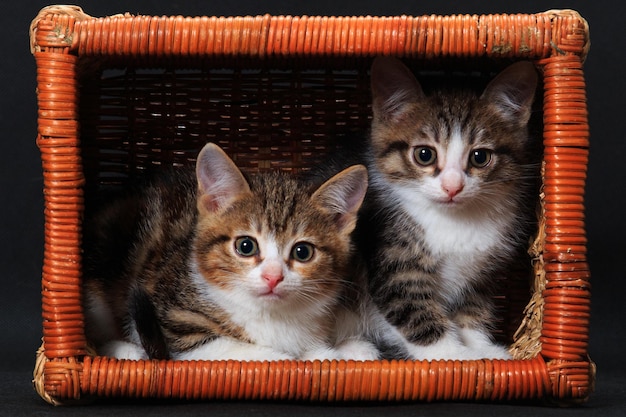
[
  {"x": 424, "y": 155},
  {"x": 480, "y": 158},
  {"x": 302, "y": 252},
  {"x": 246, "y": 246}
]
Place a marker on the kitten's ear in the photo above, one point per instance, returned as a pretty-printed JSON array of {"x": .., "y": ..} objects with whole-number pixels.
[
  {"x": 342, "y": 195},
  {"x": 513, "y": 91},
  {"x": 393, "y": 87},
  {"x": 219, "y": 180}
]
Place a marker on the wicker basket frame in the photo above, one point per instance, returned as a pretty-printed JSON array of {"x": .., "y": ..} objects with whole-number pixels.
[{"x": 73, "y": 50}]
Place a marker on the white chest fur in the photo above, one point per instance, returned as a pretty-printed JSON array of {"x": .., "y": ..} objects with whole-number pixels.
[
  {"x": 449, "y": 234},
  {"x": 290, "y": 333},
  {"x": 462, "y": 242}
]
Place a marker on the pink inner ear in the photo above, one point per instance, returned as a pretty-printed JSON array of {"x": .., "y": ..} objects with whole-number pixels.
[
  {"x": 219, "y": 180},
  {"x": 209, "y": 202}
]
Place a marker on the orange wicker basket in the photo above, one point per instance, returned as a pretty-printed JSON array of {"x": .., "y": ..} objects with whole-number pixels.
[{"x": 121, "y": 94}]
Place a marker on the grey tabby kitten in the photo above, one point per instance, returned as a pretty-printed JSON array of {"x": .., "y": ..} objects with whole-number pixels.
[
  {"x": 213, "y": 265},
  {"x": 451, "y": 175},
  {"x": 449, "y": 205}
]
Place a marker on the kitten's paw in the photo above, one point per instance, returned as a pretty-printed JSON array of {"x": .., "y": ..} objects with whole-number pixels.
[
  {"x": 482, "y": 346},
  {"x": 493, "y": 351},
  {"x": 358, "y": 350},
  {"x": 447, "y": 347},
  {"x": 321, "y": 354},
  {"x": 467, "y": 345},
  {"x": 121, "y": 349}
]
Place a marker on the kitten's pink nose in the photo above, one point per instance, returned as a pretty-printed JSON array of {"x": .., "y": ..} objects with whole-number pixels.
[
  {"x": 272, "y": 274},
  {"x": 272, "y": 279},
  {"x": 452, "y": 182},
  {"x": 453, "y": 190}
]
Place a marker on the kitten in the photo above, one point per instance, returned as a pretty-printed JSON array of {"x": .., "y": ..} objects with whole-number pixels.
[
  {"x": 217, "y": 266},
  {"x": 450, "y": 178}
]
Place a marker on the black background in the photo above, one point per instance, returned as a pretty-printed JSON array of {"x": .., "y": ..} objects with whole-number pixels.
[{"x": 21, "y": 234}]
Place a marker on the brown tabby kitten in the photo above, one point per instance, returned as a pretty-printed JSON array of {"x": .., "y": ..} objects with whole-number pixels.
[
  {"x": 450, "y": 177},
  {"x": 217, "y": 266}
]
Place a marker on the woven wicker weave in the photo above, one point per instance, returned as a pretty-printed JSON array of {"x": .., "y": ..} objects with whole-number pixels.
[{"x": 123, "y": 94}]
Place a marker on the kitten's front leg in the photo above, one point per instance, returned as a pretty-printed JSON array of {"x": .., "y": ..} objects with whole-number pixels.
[
  {"x": 459, "y": 343},
  {"x": 225, "y": 348},
  {"x": 431, "y": 336},
  {"x": 407, "y": 302}
]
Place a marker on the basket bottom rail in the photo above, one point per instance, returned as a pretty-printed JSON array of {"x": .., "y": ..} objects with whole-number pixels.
[{"x": 68, "y": 380}]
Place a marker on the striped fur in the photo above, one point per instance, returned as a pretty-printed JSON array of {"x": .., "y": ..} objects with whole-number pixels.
[
  {"x": 435, "y": 232},
  {"x": 165, "y": 275}
]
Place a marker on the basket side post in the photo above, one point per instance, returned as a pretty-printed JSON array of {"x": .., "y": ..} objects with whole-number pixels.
[
  {"x": 565, "y": 331},
  {"x": 64, "y": 342}
]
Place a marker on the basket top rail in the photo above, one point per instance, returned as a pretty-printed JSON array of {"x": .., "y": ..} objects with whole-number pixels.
[{"x": 67, "y": 29}]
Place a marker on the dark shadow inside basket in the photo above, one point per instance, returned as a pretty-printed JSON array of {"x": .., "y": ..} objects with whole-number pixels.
[{"x": 137, "y": 117}]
